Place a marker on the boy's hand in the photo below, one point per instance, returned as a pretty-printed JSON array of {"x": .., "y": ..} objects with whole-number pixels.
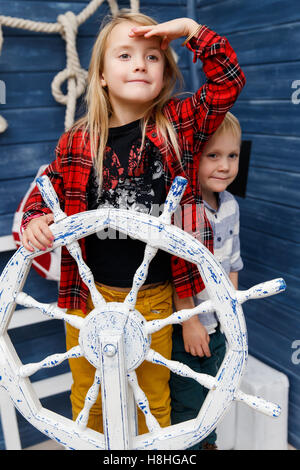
[
  {"x": 37, "y": 233},
  {"x": 169, "y": 30},
  {"x": 195, "y": 338}
]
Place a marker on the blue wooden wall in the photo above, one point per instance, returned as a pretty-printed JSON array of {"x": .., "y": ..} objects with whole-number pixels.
[{"x": 265, "y": 35}]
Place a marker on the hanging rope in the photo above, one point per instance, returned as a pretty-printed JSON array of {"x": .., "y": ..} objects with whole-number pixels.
[{"x": 67, "y": 26}]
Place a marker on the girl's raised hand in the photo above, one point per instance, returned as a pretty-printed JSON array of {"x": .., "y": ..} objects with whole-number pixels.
[
  {"x": 169, "y": 30},
  {"x": 37, "y": 233}
]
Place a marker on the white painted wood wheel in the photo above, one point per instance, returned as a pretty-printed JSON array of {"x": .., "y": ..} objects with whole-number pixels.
[{"x": 115, "y": 337}]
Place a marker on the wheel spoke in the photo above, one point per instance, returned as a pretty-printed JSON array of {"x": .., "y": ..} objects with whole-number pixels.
[
  {"x": 86, "y": 274},
  {"x": 50, "y": 361},
  {"x": 259, "y": 291},
  {"x": 173, "y": 199},
  {"x": 179, "y": 317},
  {"x": 171, "y": 204},
  {"x": 90, "y": 399},
  {"x": 258, "y": 403},
  {"x": 50, "y": 310},
  {"x": 142, "y": 402},
  {"x": 50, "y": 197},
  {"x": 140, "y": 276},
  {"x": 181, "y": 369}
]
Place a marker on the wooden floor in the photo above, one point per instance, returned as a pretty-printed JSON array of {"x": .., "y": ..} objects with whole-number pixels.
[{"x": 46, "y": 445}]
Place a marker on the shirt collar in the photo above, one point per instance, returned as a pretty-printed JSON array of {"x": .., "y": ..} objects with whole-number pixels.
[{"x": 220, "y": 197}]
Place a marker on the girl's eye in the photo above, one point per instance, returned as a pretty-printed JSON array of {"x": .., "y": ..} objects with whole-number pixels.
[
  {"x": 212, "y": 155},
  {"x": 153, "y": 58},
  {"x": 124, "y": 56},
  {"x": 233, "y": 156}
]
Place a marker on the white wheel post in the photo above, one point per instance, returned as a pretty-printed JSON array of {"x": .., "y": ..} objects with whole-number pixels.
[{"x": 114, "y": 393}]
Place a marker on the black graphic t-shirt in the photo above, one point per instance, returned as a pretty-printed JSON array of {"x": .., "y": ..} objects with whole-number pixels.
[{"x": 132, "y": 180}]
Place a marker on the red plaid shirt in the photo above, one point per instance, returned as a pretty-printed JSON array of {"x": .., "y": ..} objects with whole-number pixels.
[{"x": 195, "y": 119}]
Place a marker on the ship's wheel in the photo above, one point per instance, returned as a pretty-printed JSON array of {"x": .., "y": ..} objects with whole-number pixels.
[{"x": 115, "y": 338}]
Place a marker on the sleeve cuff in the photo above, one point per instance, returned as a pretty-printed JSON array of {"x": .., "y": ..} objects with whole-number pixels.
[{"x": 206, "y": 43}]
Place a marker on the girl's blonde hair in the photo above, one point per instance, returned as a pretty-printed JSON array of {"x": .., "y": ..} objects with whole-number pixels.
[
  {"x": 230, "y": 123},
  {"x": 98, "y": 107}
]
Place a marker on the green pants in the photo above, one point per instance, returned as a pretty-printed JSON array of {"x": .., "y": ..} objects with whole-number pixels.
[{"x": 187, "y": 395}]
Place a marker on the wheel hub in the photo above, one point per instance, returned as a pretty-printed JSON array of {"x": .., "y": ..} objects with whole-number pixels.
[{"x": 115, "y": 319}]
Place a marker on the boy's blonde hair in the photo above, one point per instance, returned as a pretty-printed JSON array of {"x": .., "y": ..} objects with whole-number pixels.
[
  {"x": 230, "y": 123},
  {"x": 96, "y": 119}
]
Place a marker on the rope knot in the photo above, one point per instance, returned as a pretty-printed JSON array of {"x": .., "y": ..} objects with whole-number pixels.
[
  {"x": 73, "y": 72},
  {"x": 69, "y": 24}
]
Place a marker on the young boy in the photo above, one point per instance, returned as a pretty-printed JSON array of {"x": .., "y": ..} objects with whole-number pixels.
[{"x": 199, "y": 342}]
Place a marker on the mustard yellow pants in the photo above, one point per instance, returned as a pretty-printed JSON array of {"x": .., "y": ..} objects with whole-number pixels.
[{"x": 153, "y": 303}]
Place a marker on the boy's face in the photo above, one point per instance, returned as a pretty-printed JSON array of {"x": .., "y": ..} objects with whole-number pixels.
[{"x": 219, "y": 163}]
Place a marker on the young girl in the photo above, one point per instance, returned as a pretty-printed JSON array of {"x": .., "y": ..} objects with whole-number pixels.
[{"x": 125, "y": 152}]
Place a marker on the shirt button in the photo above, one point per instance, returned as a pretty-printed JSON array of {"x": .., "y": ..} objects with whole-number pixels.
[
  {"x": 230, "y": 231},
  {"x": 154, "y": 134},
  {"x": 219, "y": 239},
  {"x": 216, "y": 216}
]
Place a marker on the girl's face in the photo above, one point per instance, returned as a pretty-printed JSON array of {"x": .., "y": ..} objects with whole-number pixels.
[
  {"x": 219, "y": 163},
  {"x": 133, "y": 69}
]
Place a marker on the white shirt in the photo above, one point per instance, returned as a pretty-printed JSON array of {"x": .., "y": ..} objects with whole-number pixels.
[{"x": 225, "y": 223}]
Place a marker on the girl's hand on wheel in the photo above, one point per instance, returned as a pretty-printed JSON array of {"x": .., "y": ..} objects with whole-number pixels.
[{"x": 37, "y": 233}]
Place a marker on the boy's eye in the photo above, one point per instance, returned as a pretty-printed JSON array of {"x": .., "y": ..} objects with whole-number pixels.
[{"x": 233, "y": 156}]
